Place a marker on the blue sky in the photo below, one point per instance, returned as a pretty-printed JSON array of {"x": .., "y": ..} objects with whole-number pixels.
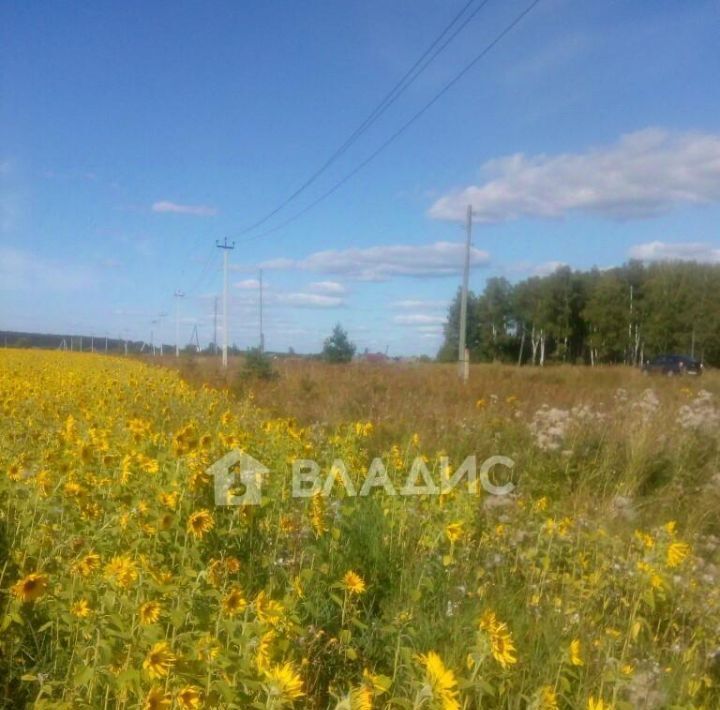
[{"x": 133, "y": 135}]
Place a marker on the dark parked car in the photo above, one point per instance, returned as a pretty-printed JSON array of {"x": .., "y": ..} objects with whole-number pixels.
[{"x": 673, "y": 365}]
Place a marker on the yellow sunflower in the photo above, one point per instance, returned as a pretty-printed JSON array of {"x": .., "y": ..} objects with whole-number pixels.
[
  {"x": 441, "y": 682},
  {"x": 353, "y": 583},
  {"x": 30, "y": 588},
  {"x": 200, "y": 523},
  {"x": 149, "y": 613},
  {"x": 159, "y": 660}
]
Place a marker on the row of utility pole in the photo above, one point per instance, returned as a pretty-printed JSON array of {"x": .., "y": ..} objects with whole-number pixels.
[{"x": 227, "y": 247}]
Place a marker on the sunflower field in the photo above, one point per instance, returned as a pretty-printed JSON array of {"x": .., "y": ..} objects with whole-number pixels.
[{"x": 595, "y": 584}]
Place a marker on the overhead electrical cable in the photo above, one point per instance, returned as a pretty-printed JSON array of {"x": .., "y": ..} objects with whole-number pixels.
[
  {"x": 420, "y": 65},
  {"x": 393, "y": 137}
]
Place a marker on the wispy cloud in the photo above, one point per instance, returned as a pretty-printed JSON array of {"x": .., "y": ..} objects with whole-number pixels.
[
  {"x": 382, "y": 262},
  {"x": 531, "y": 268},
  {"x": 410, "y": 303},
  {"x": 174, "y": 207},
  {"x": 679, "y": 251},
  {"x": 328, "y": 287},
  {"x": 309, "y": 300},
  {"x": 643, "y": 175},
  {"x": 249, "y": 285},
  {"x": 422, "y": 319}
]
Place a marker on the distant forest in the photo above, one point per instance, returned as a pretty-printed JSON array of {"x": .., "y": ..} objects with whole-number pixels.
[{"x": 620, "y": 315}]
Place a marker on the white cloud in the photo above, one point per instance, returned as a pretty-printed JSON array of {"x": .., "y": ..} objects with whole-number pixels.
[
  {"x": 196, "y": 210},
  {"x": 680, "y": 251},
  {"x": 544, "y": 268},
  {"x": 644, "y": 174},
  {"x": 419, "y": 319},
  {"x": 547, "y": 268},
  {"x": 309, "y": 300},
  {"x": 328, "y": 287},
  {"x": 382, "y": 262},
  {"x": 419, "y": 303},
  {"x": 248, "y": 285}
]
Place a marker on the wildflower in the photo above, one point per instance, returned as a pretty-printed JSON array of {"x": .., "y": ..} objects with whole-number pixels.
[
  {"x": 207, "y": 648},
  {"x": 30, "y": 588},
  {"x": 284, "y": 684},
  {"x": 159, "y": 660},
  {"x": 169, "y": 500},
  {"x": 268, "y": 610},
  {"x": 121, "y": 570},
  {"x": 317, "y": 513},
  {"x": 357, "y": 698},
  {"x": 156, "y": 699},
  {"x": 502, "y": 647},
  {"x": 262, "y": 655},
  {"x": 547, "y": 698},
  {"x": 454, "y": 531},
  {"x": 200, "y": 522},
  {"x": 353, "y": 583},
  {"x": 676, "y": 553},
  {"x": 442, "y": 685},
  {"x": 189, "y": 697},
  {"x": 575, "y": 653},
  {"x": 234, "y": 602},
  {"x": 149, "y": 613},
  {"x": 80, "y": 609},
  {"x": 598, "y": 704},
  {"x": 481, "y": 403}
]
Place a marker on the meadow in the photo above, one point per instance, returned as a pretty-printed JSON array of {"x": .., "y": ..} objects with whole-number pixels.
[{"x": 595, "y": 584}]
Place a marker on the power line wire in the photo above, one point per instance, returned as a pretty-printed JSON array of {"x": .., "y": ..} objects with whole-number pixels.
[
  {"x": 498, "y": 38},
  {"x": 420, "y": 65}
]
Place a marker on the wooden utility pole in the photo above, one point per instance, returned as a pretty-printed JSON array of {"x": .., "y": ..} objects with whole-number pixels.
[{"x": 463, "y": 356}]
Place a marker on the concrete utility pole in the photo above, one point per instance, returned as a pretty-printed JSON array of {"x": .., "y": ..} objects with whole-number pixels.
[
  {"x": 463, "y": 355},
  {"x": 262, "y": 335},
  {"x": 226, "y": 249},
  {"x": 214, "y": 348},
  {"x": 178, "y": 295}
]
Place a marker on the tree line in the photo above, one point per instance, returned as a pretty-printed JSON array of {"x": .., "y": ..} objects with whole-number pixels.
[{"x": 624, "y": 315}]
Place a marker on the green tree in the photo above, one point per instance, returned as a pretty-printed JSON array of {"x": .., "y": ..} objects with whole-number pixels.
[{"x": 338, "y": 348}]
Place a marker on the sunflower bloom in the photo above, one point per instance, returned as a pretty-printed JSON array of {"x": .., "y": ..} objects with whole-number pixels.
[
  {"x": 121, "y": 570},
  {"x": 234, "y": 602},
  {"x": 502, "y": 647},
  {"x": 262, "y": 655},
  {"x": 547, "y": 698},
  {"x": 357, "y": 698},
  {"x": 156, "y": 699},
  {"x": 353, "y": 583},
  {"x": 440, "y": 681},
  {"x": 189, "y": 697},
  {"x": 576, "y": 653},
  {"x": 149, "y": 613},
  {"x": 268, "y": 610},
  {"x": 598, "y": 704},
  {"x": 454, "y": 531},
  {"x": 676, "y": 553},
  {"x": 200, "y": 523},
  {"x": 30, "y": 588},
  {"x": 80, "y": 609},
  {"x": 159, "y": 660},
  {"x": 284, "y": 685}
]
